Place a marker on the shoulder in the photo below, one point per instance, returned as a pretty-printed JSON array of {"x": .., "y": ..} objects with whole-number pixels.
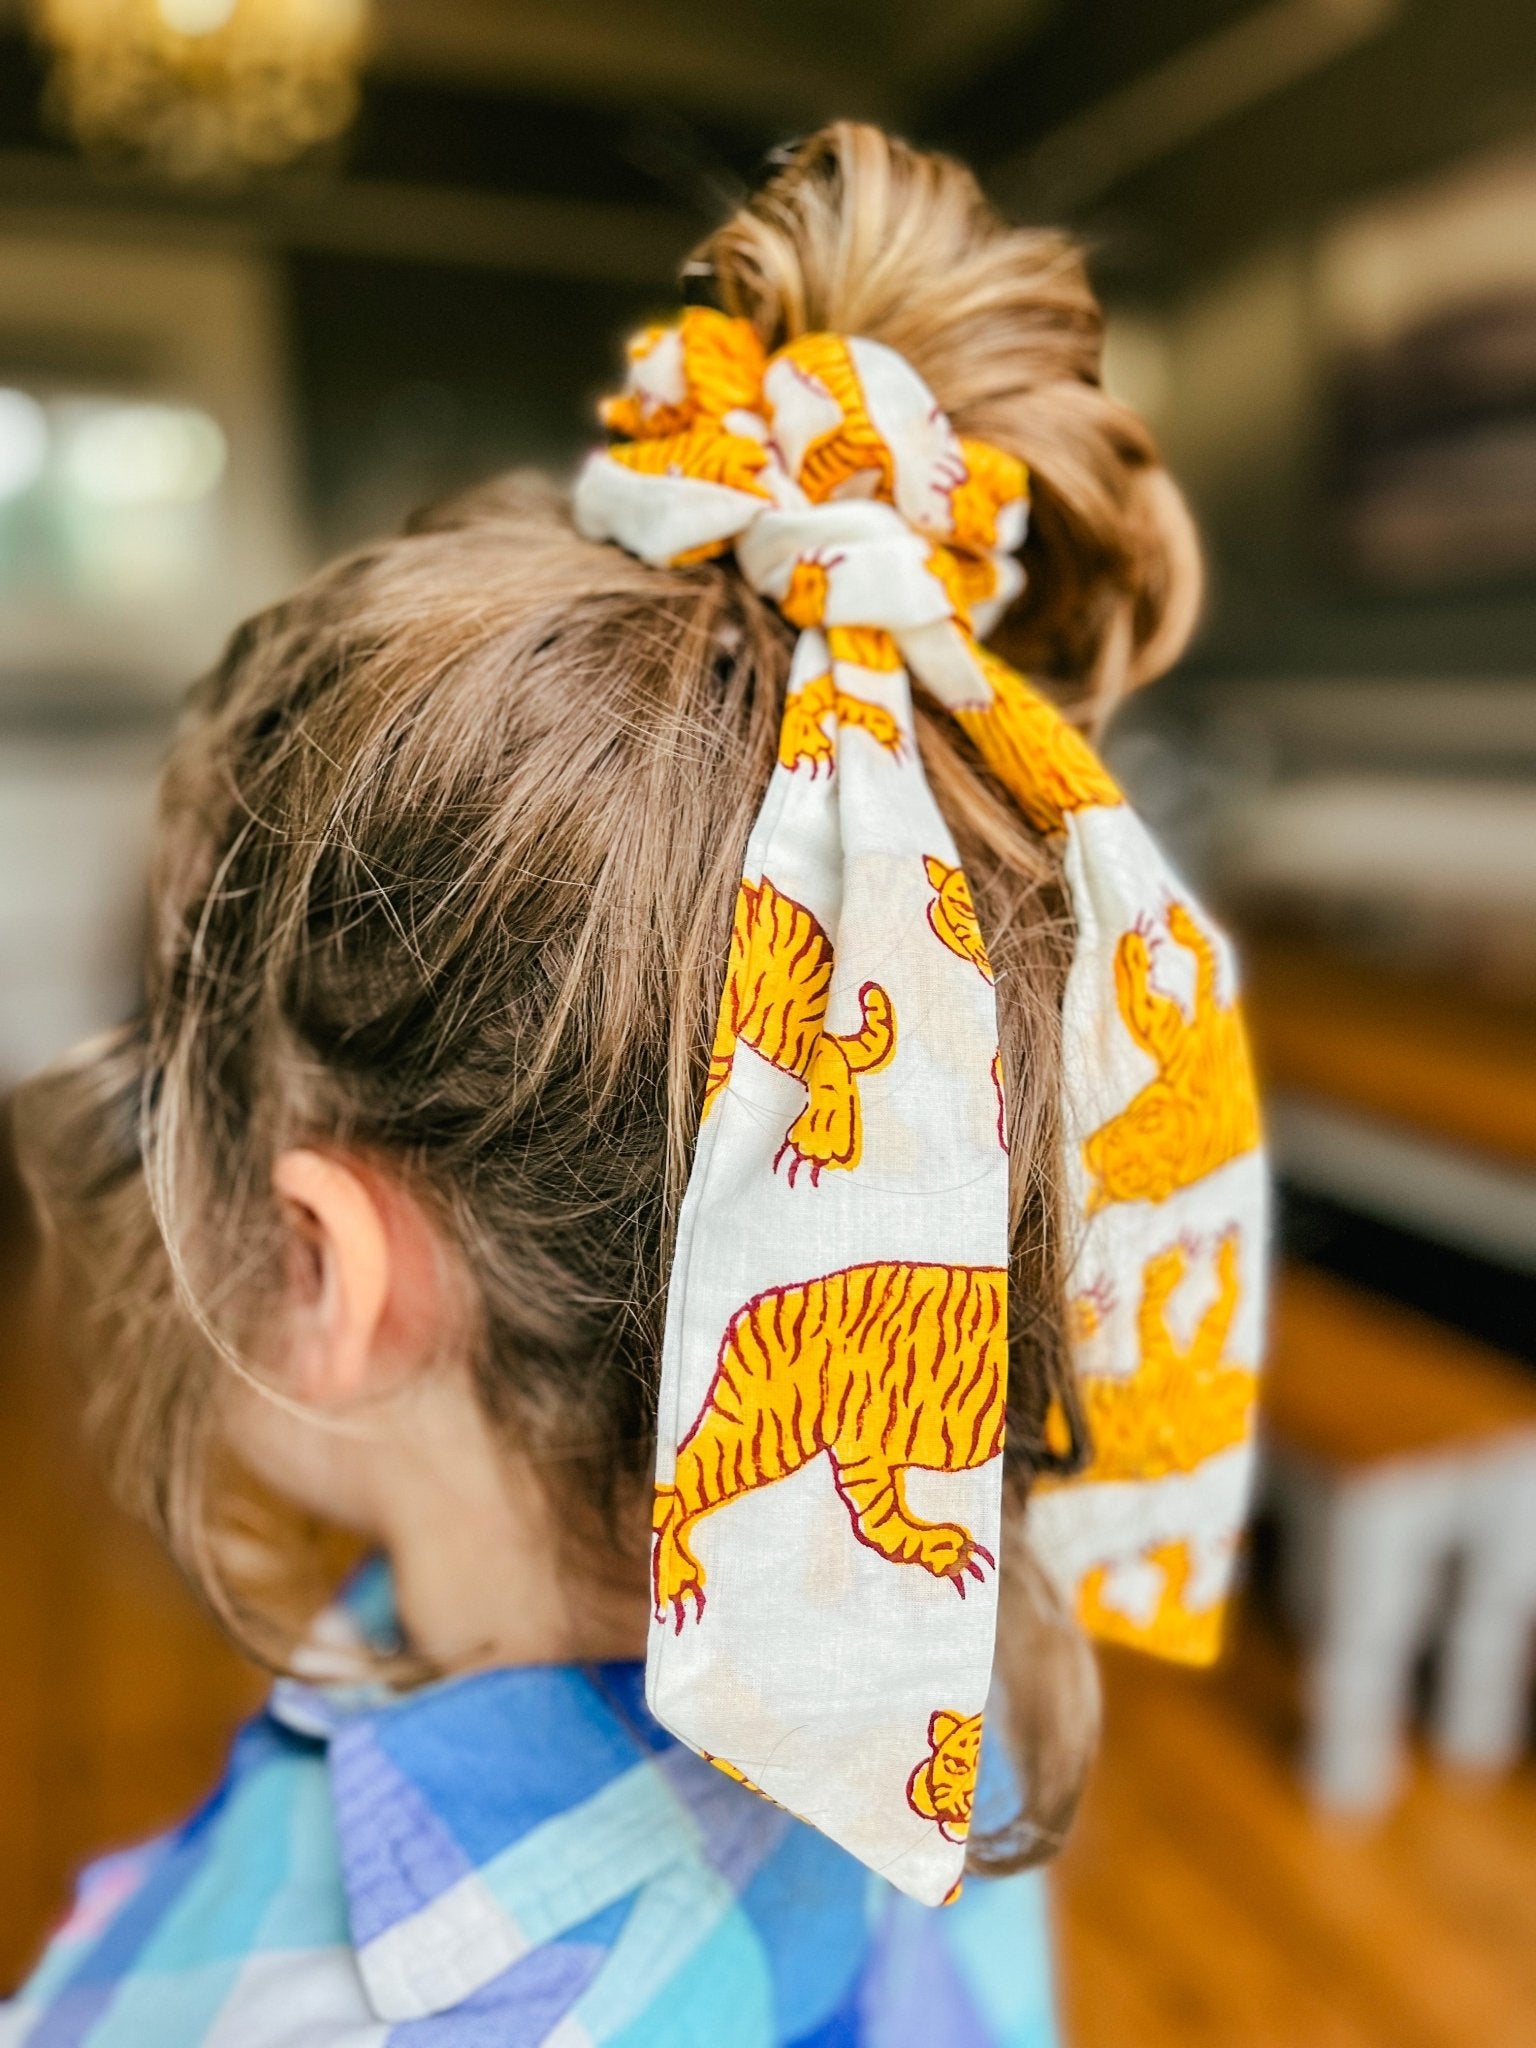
[
  {"x": 978, "y": 1971},
  {"x": 240, "y": 1906},
  {"x": 814, "y": 1952}
]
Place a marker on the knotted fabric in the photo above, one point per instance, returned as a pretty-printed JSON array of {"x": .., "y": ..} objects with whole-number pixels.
[{"x": 834, "y": 1377}]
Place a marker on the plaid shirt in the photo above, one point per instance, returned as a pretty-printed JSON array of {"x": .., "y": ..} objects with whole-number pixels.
[{"x": 514, "y": 1858}]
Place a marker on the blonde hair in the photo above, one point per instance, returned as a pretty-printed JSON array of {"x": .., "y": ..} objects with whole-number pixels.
[{"x": 448, "y": 846}]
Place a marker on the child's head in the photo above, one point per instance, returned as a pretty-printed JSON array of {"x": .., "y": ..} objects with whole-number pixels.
[{"x": 447, "y": 853}]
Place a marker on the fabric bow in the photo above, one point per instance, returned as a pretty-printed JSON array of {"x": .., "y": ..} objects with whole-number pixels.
[{"x": 834, "y": 1376}]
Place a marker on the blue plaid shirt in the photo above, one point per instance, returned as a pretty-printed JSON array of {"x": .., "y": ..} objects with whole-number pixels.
[{"x": 515, "y": 1858}]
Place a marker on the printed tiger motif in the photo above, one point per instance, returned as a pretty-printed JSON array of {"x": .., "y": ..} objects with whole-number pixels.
[
  {"x": 704, "y": 366},
  {"x": 775, "y": 1001},
  {"x": 863, "y": 646},
  {"x": 1171, "y": 1628},
  {"x": 1045, "y": 763},
  {"x": 804, "y": 602},
  {"x": 952, "y": 914},
  {"x": 708, "y": 454},
  {"x": 1185, "y": 1402},
  {"x": 1088, "y": 1309},
  {"x": 943, "y": 1787},
  {"x": 1200, "y": 1109},
  {"x": 655, "y": 358},
  {"x": 723, "y": 362},
  {"x": 803, "y": 735},
  {"x": 881, "y": 1367},
  {"x": 968, "y": 580},
  {"x": 992, "y": 480},
  {"x": 853, "y": 447}
]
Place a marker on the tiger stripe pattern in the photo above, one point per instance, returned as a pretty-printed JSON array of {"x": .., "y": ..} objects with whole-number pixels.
[
  {"x": 894, "y": 545},
  {"x": 952, "y": 914},
  {"x": 882, "y": 1368},
  {"x": 854, "y": 447},
  {"x": 803, "y": 734},
  {"x": 1201, "y": 1107},
  {"x": 943, "y": 1786},
  {"x": 1045, "y": 764},
  {"x": 1187, "y": 1400},
  {"x": 777, "y": 984},
  {"x": 701, "y": 368},
  {"x": 705, "y": 453}
]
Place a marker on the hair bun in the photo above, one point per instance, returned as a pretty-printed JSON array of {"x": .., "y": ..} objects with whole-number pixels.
[{"x": 858, "y": 233}]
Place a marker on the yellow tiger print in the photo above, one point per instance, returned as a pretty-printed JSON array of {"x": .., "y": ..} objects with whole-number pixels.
[
  {"x": 722, "y": 369},
  {"x": 804, "y": 602},
  {"x": 853, "y": 447},
  {"x": 803, "y": 735},
  {"x": 1174, "y": 1630},
  {"x": 943, "y": 1787},
  {"x": 633, "y": 414},
  {"x": 775, "y": 1000},
  {"x": 1185, "y": 1402},
  {"x": 883, "y": 1367},
  {"x": 863, "y": 646},
  {"x": 968, "y": 580},
  {"x": 952, "y": 914},
  {"x": 992, "y": 480},
  {"x": 1087, "y": 1310},
  {"x": 1201, "y": 1108},
  {"x": 723, "y": 362},
  {"x": 707, "y": 453},
  {"x": 1046, "y": 764}
]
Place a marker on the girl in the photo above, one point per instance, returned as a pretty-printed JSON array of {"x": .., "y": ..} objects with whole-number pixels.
[{"x": 378, "y": 1217}]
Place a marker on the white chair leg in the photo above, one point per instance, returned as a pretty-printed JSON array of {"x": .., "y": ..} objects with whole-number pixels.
[
  {"x": 1389, "y": 1533},
  {"x": 1483, "y": 1698}
]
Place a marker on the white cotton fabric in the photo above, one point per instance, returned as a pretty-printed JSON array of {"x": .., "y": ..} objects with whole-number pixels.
[{"x": 821, "y": 1646}]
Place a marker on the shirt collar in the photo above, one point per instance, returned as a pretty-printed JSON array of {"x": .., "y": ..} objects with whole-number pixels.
[{"x": 484, "y": 1818}]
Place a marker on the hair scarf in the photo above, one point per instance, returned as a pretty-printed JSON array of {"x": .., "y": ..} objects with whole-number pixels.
[{"x": 834, "y": 1374}]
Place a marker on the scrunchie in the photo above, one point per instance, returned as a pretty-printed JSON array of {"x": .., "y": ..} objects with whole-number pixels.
[{"x": 834, "y": 1376}]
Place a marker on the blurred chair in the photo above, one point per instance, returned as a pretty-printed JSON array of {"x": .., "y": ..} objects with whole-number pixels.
[
  {"x": 1402, "y": 1462},
  {"x": 1402, "y": 1467}
]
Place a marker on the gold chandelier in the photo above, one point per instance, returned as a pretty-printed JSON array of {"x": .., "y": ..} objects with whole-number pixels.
[{"x": 204, "y": 87}]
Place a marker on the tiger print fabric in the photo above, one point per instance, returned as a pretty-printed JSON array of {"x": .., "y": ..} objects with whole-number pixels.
[
  {"x": 834, "y": 1376},
  {"x": 833, "y": 1367}
]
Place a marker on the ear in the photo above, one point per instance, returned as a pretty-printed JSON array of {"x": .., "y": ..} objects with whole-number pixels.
[{"x": 347, "y": 1266}]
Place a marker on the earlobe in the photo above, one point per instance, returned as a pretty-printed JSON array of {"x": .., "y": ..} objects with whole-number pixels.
[{"x": 337, "y": 1316}]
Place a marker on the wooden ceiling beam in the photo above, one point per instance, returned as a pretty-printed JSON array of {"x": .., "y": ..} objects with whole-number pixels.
[{"x": 627, "y": 244}]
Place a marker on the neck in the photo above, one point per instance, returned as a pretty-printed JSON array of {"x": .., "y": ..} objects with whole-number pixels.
[{"x": 480, "y": 1578}]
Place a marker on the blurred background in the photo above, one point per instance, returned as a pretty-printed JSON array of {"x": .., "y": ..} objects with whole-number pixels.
[{"x": 274, "y": 271}]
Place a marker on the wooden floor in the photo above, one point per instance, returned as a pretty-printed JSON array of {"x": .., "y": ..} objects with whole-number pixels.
[{"x": 1199, "y": 1903}]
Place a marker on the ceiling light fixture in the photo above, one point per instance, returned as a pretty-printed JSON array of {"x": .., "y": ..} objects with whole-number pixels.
[{"x": 204, "y": 88}]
